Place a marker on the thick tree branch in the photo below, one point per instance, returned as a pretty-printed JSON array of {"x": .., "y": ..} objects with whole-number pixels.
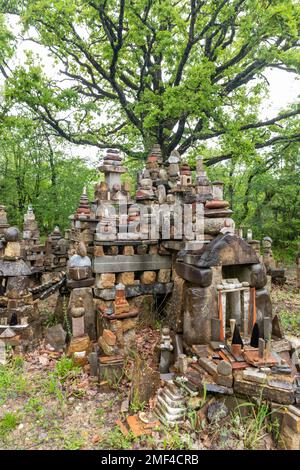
[
  {"x": 267, "y": 143},
  {"x": 196, "y": 134}
]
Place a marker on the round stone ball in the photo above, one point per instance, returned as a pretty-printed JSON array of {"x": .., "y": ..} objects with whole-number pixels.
[{"x": 12, "y": 234}]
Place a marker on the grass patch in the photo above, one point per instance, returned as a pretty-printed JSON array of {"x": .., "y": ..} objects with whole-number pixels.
[
  {"x": 73, "y": 441},
  {"x": 12, "y": 380},
  {"x": 35, "y": 407},
  {"x": 290, "y": 321},
  {"x": 100, "y": 412},
  {"x": 115, "y": 439},
  {"x": 252, "y": 429},
  {"x": 66, "y": 370},
  {"x": 175, "y": 439},
  {"x": 8, "y": 424}
]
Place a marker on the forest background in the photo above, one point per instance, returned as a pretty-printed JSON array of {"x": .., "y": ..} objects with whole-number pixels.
[{"x": 217, "y": 78}]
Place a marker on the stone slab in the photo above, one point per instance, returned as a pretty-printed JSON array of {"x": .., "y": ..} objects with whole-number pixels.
[
  {"x": 77, "y": 284},
  {"x": 215, "y": 388},
  {"x": 122, "y": 263},
  {"x": 224, "y": 250},
  {"x": 135, "y": 291},
  {"x": 176, "y": 245},
  {"x": 125, "y": 242},
  {"x": 199, "y": 276},
  {"x": 254, "y": 389}
]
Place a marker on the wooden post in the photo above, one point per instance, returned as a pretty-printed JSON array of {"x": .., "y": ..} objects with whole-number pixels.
[
  {"x": 254, "y": 305},
  {"x": 222, "y": 332},
  {"x": 246, "y": 310}
]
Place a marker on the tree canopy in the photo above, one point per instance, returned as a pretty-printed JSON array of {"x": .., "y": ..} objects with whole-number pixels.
[
  {"x": 181, "y": 73},
  {"x": 191, "y": 75},
  {"x": 34, "y": 170}
]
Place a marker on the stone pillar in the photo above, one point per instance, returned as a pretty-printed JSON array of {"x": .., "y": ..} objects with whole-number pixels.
[
  {"x": 246, "y": 306},
  {"x": 234, "y": 306},
  {"x": 224, "y": 304},
  {"x": 84, "y": 297}
]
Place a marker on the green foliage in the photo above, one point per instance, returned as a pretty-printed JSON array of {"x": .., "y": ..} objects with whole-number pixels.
[
  {"x": 50, "y": 319},
  {"x": 8, "y": 423},
  {"x": 35, "y": 406},
  {"x": 264, "y": 194},
  {"x": 73, "y": 441},
  {"x": 114, "y": 439},
  {"x": 100, "y": 412},
  {"x": 181, "y": 73},
  {"x": 65, "y": 369},
  {"x": 189, "y": 75},
  {"x": 33, "y": 170},
  {"x": 174, "y": 439},
  {"x": 290, "y": 321},
  {"x": 12, "y": 381},
  {"x": 137, "y": 405},
  {"x": 252, "y": 429}
]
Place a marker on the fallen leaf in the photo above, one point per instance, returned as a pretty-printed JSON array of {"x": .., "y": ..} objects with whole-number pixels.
[{"x": 95, "y": 439}]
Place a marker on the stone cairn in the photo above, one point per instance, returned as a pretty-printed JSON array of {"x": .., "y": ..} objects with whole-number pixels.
[
  {"x": 29, "y": 271},
  {"x": 277, "y": 273},
  {"x": 130, "y": 266},
  {"x": 34, "y": 251},
  {"x": 20, "y": 325},
  {"x": 219, "y": 311}
]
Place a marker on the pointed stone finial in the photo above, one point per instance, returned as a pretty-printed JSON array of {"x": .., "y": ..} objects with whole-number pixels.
[
  {"x": 174, "y": 157},
  {"x": 83, "y": 209},
  {"x": 199, "y": 166},
  {"x": 29, "y": 214},
  {"x": 3, "y": 217},
  {"x": 155, "y": 154}
]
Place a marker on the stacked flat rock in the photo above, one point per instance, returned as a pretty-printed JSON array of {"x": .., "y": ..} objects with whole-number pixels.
[
  {"x": 101, "y": 191},
  {"x": 112, "y": 168},
  {"x": 185, "y": 169},
  {"x": 145, "y": 190},
  {"x": 56, "y": 249},
  {"x": 133, "y": 213},
  {"x": 13, "y": 246},
  {"x": 218, "y": 187},
  {"x": 79, "y": 268},
  {"x": 106, "y": 228},
  {"x": 56, "y": 234},
  {"x": 156, "y": 151},
  {"x": 118, "y": 194},
  {"x": 268, "y": 258},
  {"x": 31, "y": 231},
  {"x": 83, "y": 210},
  {"x": 112, "y": 162},
  {"x": 203, "y": 186},
  {"x": 154, "y": 162},
  {"x": 20, "y": 309},
  {"x": 3, "y": 220},
  {"x": 217, "y": 218},
  {"x": 217, "y": 215},
  {"x": 185, "y": 175},
  {"x": 277, "y": 273},
  {"x": 173, "y": 161}
]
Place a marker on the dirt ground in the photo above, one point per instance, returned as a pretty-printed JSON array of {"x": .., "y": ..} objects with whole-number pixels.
[{"x": 48, "y": 403}]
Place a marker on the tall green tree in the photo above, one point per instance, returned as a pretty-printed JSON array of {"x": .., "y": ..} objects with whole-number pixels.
[
  {"x": 265, "y": 195},
  {"x": 179, "y": 72},
  {"x": 33, "y": 170}
]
